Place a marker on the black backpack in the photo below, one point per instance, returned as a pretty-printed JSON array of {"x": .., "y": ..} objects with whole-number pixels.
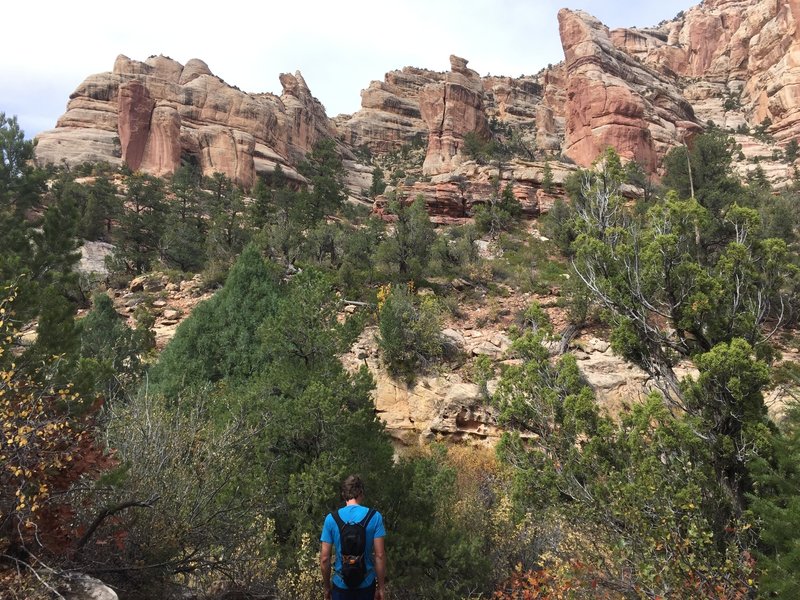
[{"x": 353, "y": 537}]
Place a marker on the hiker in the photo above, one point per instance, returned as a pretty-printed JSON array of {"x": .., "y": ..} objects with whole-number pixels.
[{"x": 357, "y": 534}]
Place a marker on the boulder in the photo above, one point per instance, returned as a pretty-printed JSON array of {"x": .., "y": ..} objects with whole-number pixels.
[{"x": 76, "y": 586}]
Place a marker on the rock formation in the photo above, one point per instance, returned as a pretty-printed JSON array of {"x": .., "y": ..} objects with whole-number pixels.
[
  {"x": 744, "y": 52},
  {"x": 450, "y": 110},
  {"x": 643, "y": 91},
  {"x": 152, "y": 114},
  {"x": 390, "y": 112},
  {"x": 613, "y": 100},
  {"x": 452, "y": 196}
]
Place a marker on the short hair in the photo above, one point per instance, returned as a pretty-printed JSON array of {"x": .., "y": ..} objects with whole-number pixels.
[{"x": 352, "y": 488}]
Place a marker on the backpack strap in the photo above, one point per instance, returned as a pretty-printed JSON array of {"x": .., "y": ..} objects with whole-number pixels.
[
  {"x": 338, "y": 519},
  {"x": 366, "y": 519},
  {"x": 363, "y": 523}
]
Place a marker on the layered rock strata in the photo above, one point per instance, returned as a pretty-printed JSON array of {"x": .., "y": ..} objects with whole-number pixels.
[
  {"x": 150, "y": 115},
  {"x": 744, "y": 54},
  {"x": 390, "y": 112},
  {"x": 450, "y": 110},
  {"x": 614, "y": 100},
  {"x": 452, "y": 197}
]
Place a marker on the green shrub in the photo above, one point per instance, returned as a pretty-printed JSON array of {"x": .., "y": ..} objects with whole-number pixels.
[{"x": 410, "y": 333}]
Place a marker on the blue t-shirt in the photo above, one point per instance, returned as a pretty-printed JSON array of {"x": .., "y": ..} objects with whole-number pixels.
[{"x": 353, "y": 513}]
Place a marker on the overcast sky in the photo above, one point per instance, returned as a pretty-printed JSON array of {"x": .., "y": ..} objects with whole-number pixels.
[{"x": 50, "y": 46}]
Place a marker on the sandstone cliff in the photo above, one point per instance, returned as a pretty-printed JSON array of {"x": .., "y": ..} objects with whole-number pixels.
[
  {"x": 731, "y": 56},
  {"x": 642, "y": 91},
  {"x": 614, "y": 100},
  {"x": 149, "y": 115}
]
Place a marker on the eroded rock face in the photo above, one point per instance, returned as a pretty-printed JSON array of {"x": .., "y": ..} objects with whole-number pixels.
[
  {"x": 614, "y": 100},
  {"x": 432, "y": 406},
  {"x": 453, "y": 196},
  {"x": 450, "y": 110},
  {"x": 642, "y": 91},
  {"x": 757, "y": 50},
  {"x": 745, "y": 51},
  {"x": 390, "y": 112},
  {"x": 150, "y": 114}
]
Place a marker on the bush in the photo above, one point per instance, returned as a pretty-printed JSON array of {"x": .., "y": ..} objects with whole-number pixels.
[
  {"x": 410, "y": 333},
  {"x": 180, "y": 477}
]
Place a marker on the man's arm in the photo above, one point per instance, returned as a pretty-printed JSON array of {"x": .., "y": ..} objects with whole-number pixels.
[
  {"x": 379, "y": 550},
  {"x": 325, "y": 567}
]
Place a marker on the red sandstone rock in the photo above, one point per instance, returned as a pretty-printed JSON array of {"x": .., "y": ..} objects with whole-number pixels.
[
  {"x": 612, "y": 99},
  {"x": 135, "y": 110},
  {"x": 450, "y": 110},
  {"x": 160, "y": 110}
]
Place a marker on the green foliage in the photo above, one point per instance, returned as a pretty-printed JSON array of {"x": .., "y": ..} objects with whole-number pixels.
[
  {"x": 558, "y": 225},
  {"x": 775, "y": 504},
  {"x": 547, "y": 177},
  {"x": 325, "y": 172},
  {"x": 20, "y": 183},
  {"x": 442, "y": 556},
  {"x": 103, "y": 207},
  {"x": 176, "y": 499},
  {"x": 727, "y": 399},
  {"x": 655, "y": 515},
  {"x": 142, "y": 224},
  {"x": 45, "y": 448},
  {"x": 761, "y": 132},
  {"x": 711, "y": 274},
  {"x": 111, "y": 353},
  {"x": 357, "y": 268},
  {"x": 38, "y": 254},
  {"x": 184, "y": 243},
  {"x": 220, "y": 339},
  {"x": 476, "y": 147},
  {"x": 405, "y": 254},
  {"x": 790, "y": 152},
  {"x": 455, "y": 251},
  {"x": 482, "y": 372},
  {"x": 303, "y": 336},
  {"x": 227, "y": 235},
  {"x": 410, "y": 332},
  {"x": 378, "y": 184},
  {"x": 500, "y": 213},
  {"x": 779, "y": 216},
  {"x": 528, "y": 264},
  {"x": 704, "y": 268},
  {"x": 707, "y": 168}
]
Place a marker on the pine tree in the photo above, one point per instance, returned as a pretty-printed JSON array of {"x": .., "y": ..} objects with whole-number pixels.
[
  {"x": 184, "y": 241},
  {"x": 408, "y": 250},
  {"x": 142, "y": 223}
]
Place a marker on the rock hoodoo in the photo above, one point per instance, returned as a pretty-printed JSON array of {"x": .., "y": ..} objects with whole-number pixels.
[{"x": 450, "y": 110}]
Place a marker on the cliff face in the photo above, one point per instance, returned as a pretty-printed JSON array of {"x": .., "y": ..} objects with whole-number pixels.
[
  {"x": 642, "y": 91},
  {"x": 614, "y": 100},
  {"x": 743, "y": 51},
  {"x": 150, "y": 114},
  {"x": 390, "y": 113}
]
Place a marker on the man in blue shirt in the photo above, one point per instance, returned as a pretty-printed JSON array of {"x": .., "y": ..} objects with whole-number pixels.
[{"x": 374, "y": 554}]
